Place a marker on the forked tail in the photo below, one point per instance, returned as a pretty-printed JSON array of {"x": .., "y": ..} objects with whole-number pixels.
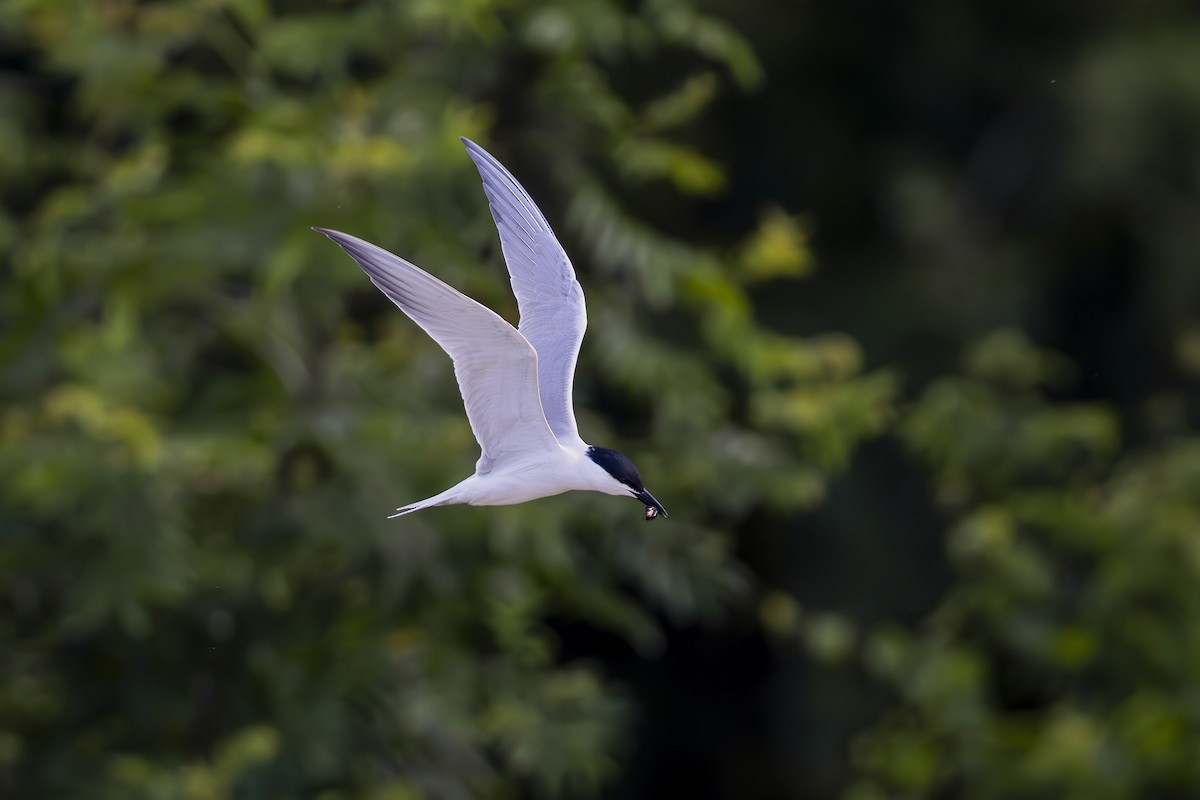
[{"x": 448, "y": 497}]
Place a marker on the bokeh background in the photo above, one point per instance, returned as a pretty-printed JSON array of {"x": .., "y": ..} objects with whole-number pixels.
[{"x": 895, "y": 304}]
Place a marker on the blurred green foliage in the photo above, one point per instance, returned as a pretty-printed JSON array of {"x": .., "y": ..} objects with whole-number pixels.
[
  {"x": 1065, "y": 659},
  {"x": 1065, "y": 663},
  {"x": 206, "y": 411}
]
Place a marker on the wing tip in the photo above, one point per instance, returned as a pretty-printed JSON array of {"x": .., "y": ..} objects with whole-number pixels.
[
  {"x": 473, "y": 150},
  {"x": 342, "y": 240},
  {"x": 473, "y": 147},
  {"x": 485, "y": 161}
]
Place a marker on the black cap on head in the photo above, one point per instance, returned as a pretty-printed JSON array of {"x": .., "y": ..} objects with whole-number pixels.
[
  {"x": 622, "y": 469},
  {"x": 618, "y": 466}
]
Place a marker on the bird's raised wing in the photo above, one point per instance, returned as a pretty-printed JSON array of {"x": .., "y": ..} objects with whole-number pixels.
[
  {"x": 553, "y": 316},
  {"x": 495, "y": 366}
]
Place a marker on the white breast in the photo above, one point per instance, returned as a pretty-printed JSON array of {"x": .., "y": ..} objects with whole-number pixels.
[{"x": 568, "y": 470}]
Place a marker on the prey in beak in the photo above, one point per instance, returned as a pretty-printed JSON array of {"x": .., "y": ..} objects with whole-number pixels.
[{"x": 653, "y": 507}]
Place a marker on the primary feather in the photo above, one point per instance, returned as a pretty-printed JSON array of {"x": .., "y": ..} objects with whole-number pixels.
[
  {"x": 550, "y": 299},
  {"x": 496, "y": 367}
]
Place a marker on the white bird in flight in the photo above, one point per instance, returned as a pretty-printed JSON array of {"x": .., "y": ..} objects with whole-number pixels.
[{"x": 515, "y": 382}]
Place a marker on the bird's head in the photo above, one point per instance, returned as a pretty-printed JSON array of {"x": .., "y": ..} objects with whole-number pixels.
[{"x": 624, "y": 479}]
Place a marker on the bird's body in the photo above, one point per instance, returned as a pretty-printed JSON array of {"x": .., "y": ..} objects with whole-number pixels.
[
  {"x": 527, "y": 478},
  {"x": 516, "y": 383}
]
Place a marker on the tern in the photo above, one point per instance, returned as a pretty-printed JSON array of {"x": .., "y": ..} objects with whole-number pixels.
[{"x": 515, "y": 382}]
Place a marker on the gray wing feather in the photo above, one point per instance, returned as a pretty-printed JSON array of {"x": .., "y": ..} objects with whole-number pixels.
[
  {"x": 496, "y": 366},
  {"x": 550, "y": 299}
]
